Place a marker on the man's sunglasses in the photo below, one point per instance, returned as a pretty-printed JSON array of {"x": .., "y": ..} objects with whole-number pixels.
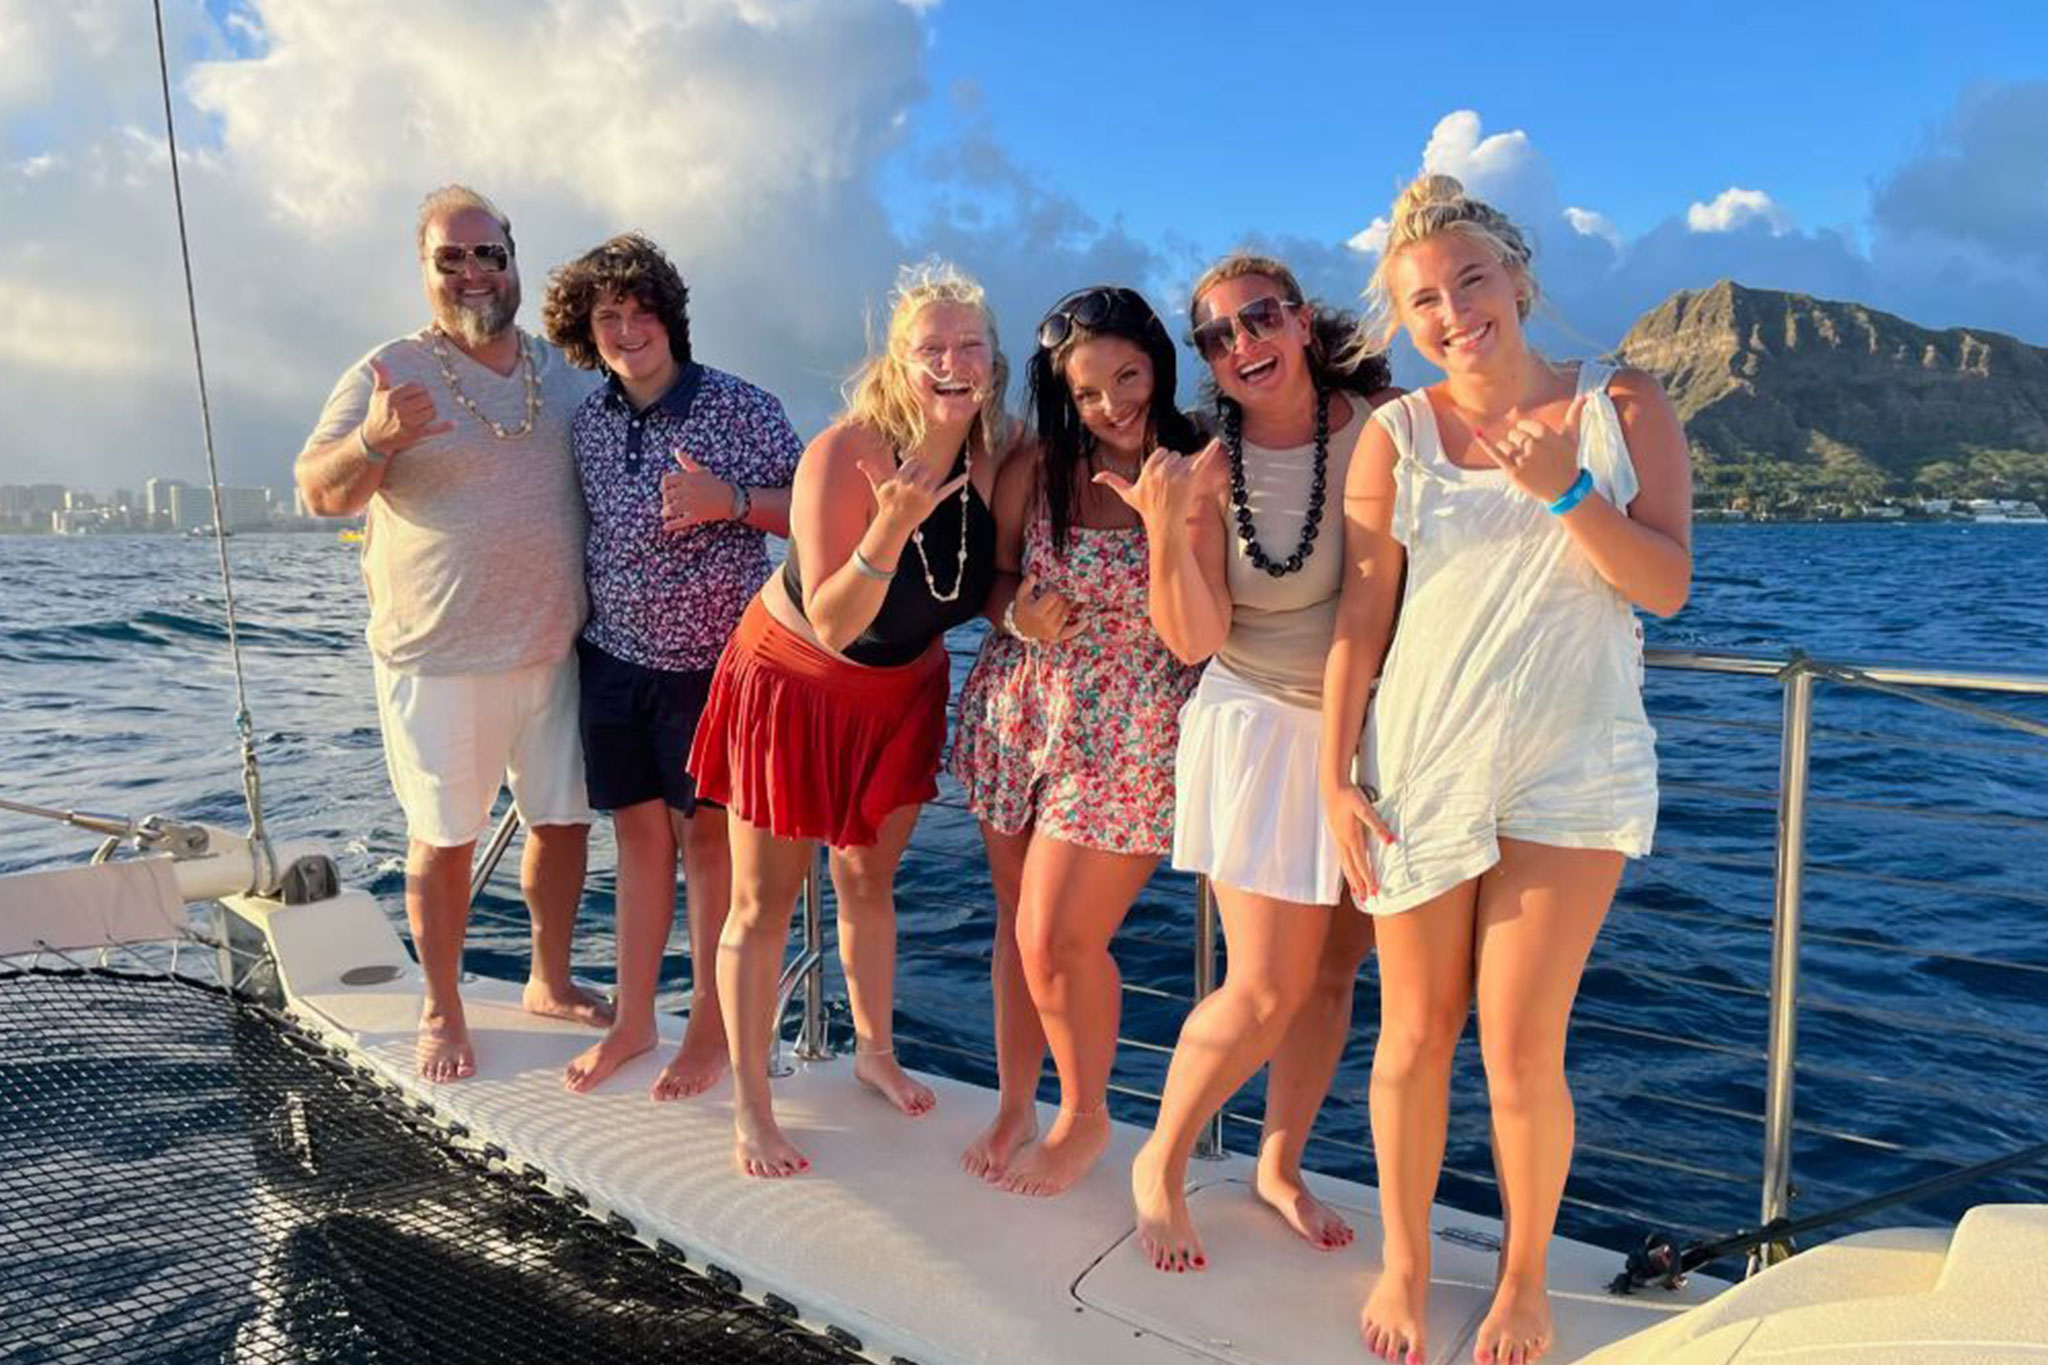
[
  {"x": 1091, "y": 308},
  {"x": 491, "y": 257},
  {"x": 1259, "y": 319}
]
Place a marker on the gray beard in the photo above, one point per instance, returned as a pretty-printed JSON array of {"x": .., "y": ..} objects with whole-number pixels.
[{"x": 474, "y": 326}]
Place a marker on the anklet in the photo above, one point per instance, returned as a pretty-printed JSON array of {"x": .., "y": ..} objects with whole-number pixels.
[{"x": 860, "y": 1051}]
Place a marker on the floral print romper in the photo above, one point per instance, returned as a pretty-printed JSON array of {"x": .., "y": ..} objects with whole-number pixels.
[{"x": 1076, "y": 738}]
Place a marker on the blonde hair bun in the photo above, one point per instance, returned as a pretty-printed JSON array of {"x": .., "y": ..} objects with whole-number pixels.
[{"x": 1422, "y": 193}]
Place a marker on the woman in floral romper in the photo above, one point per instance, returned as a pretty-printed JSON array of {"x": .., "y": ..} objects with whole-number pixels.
[{"x": 1068, "y": 725}]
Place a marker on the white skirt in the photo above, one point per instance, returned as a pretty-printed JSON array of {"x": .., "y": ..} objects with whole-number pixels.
[{"x": 1247, "y": 804}]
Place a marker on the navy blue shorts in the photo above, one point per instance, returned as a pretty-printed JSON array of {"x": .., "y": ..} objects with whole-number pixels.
[{"x": 637, "y": 726}]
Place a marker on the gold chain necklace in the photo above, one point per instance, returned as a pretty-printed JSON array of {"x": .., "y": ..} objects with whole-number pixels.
[
  {"x": 917, "y": 536},
  {"x": 533, "y": 399}
]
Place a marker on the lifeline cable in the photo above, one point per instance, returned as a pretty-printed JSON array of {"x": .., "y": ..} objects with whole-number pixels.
[
  {"x": 1657, "y": 1261},
  {"x": 265, "y": 863}
]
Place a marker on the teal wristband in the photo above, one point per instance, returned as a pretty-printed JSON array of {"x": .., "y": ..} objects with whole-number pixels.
[{"x": 1573, "y": 496}]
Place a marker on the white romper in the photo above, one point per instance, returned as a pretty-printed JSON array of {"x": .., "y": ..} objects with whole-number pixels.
[{"x": 1511, "y": 701}]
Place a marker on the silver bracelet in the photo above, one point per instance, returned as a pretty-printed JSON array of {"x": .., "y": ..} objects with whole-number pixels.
[
  {"x": 1009, "y": 621},
  {"x": 742, "y": 502},
  {"x": 861, "y": 564},
  {"x": 363, "y": 444}
]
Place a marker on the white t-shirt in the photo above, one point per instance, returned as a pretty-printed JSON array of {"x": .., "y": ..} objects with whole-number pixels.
[{"x": 473, "y": 545}]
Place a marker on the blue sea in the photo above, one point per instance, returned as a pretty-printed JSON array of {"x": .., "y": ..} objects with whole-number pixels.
[{"x": 1923, "y": 1027}]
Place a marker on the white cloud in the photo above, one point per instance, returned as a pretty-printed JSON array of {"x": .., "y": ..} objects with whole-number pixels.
[
  {"x": 1736, "y": 208},
  {"x": 746, "y": 137},
  {"x": 1588, "y": 223},
  {"x": 1490, "y": 166},
  {"x": 743, "y": 136},
  {"x": 1371, "y": 239}
]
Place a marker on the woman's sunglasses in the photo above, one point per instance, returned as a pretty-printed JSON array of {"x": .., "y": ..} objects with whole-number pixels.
[
  {"x": 1259, "y": 319},
  {"x": 491, "y": 257},
  {"x": 1090, "y": 308}
]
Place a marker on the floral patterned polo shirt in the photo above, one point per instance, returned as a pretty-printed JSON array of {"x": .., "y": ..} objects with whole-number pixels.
[{"x": 663, "y": 600}]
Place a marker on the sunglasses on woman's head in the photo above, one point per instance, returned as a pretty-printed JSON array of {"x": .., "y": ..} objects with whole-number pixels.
[
  {"x": 1089, "y": 308},
  {"x": 491, "y": 257},
  {"x": 1259, "y": 319}
]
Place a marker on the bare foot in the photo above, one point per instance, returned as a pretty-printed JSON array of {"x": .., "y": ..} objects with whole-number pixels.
[
  {"x": 606, "y": 1055},
  {"x": 442, "y": 1050},
  {"x": 698, "y": 1063},
  {"x": 569, "y": 1002},
  {"x": 1165, "y": 1231},
  {"x": 1316, "y": 1222},
  {"x": 759, "y": 1149},
  {"x": 1069, "y": 1150},
  {"x": 1395, "y": 1317},
  {"x": 988, "y": 1156},
  {"x": 880, "y": 1073},
  {"x": 1517, "y": 1329}
]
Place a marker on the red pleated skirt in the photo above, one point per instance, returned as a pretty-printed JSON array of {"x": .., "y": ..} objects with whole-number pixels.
[{"x": 809, "y": 746}]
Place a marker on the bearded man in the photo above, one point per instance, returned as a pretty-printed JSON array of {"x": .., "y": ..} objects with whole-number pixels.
[{"x": 454, "y": 443}]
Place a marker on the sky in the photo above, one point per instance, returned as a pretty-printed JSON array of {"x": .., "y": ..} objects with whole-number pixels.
[{"x": 790, "y": 154}]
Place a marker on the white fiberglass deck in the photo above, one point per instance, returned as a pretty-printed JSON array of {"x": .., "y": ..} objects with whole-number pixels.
[{"x": 886, "y": 1237}]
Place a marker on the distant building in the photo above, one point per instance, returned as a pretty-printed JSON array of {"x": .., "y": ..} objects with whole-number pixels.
[
  {"x": 189, "y": 508},
  {"x": 244, "y": 509},
  {"x": 156, "y": 500}
]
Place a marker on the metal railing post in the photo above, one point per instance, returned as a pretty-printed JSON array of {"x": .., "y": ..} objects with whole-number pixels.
[
  {"x": 806, "y": 971},
  {"x": 1209, "y": 1142},
  {"x": 501, "y": 839},
  {"x": 811, "y": 1044},
  {"x": 1795, "y": 746}
]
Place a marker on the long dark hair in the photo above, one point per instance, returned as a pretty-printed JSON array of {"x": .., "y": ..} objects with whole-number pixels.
[
  {"x": 1336, "y": 360},
  {"x": 1064, "y": 441}
]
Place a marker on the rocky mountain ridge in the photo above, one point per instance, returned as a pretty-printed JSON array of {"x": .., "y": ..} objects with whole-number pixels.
[{"x": 1786, "y": 390}]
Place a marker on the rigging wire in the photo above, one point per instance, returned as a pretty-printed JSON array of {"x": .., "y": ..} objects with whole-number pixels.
[{"x": 265, "y": 859}]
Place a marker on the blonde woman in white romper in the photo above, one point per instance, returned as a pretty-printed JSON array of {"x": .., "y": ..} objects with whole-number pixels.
[{"x": 1507, "y": 770}]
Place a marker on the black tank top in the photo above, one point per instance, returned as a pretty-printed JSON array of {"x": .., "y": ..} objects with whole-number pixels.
[{"x": 911, "y": 617}]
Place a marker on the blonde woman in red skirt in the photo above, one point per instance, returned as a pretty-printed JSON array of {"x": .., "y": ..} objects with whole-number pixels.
[{"x": 828, "y": 710}]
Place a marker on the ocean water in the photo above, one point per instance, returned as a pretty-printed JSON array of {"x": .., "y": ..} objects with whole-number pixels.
[{"x": 1924, "y": 1008}]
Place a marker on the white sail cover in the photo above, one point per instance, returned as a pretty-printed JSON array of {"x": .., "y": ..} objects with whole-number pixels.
[{"x": 90, "y": 906}]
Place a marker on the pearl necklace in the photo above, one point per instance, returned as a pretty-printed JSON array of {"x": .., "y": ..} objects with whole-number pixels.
[
  {"x": 533, "y": 399},
  {"x": 917, "y": 535}
]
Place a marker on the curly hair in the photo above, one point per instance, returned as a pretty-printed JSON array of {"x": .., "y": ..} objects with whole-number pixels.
[
  {"x": 881, "y": 394},
  {"x": 627, "y": 266},
  {"x": 1064, "y": 441},
  {"x": 1338, "y": 355}
]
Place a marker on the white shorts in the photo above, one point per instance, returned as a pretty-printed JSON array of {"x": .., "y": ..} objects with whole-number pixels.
[
  {"x": 1590, "y": 784},
  {"x": 1247, "y": 800},
  {"x": 451, "y": 740}
]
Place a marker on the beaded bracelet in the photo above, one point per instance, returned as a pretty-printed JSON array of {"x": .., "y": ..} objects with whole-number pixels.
[{"x": 1573, "y": 496}]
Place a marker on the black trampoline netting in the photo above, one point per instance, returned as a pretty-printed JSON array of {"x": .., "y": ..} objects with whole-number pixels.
[{"x": 185, "y": 1177}]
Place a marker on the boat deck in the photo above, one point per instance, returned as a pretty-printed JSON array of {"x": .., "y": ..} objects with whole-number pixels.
[{"x": 886, "y": 1238}]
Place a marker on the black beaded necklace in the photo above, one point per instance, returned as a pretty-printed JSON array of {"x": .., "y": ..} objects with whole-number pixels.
[{"x": 1240, "y": 492}]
